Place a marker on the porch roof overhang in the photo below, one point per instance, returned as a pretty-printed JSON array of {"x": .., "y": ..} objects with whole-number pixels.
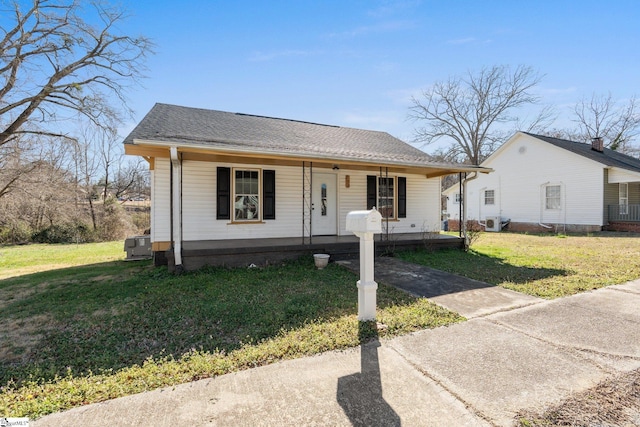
[
  {"x": 234, "y": 152},
  {"x": 618, "y": 176}
]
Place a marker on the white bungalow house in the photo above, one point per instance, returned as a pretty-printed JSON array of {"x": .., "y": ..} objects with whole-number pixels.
[
  {"x": 230, "y": 188},
  {"x": 542, "y": 183}
]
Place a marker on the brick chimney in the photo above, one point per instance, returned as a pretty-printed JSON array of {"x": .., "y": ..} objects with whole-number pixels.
[{"x": 596, "y": 144}]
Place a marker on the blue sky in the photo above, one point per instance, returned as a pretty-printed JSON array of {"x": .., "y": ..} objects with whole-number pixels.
[{"x": 357, "y": 63}]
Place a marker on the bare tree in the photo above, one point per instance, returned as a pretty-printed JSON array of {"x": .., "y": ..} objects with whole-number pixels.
[
  {"x": 131, "y": 178},
  {"x": 87, "y": 165},
  {"x": 15, "y": 162},
  {"x": 468, "y": 111},
  {"x": 54, "y": 63},
  {"x": 603, "y": 117}
]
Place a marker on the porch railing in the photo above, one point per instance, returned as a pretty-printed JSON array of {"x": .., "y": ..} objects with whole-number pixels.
[{"x": 629, "y": 213}]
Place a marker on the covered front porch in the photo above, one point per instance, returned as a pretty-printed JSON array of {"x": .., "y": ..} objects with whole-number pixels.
[
  {"x": 623, "y": 188},
  {"x": 244, "y": 252},
  {"x": 625, "y": 217}
]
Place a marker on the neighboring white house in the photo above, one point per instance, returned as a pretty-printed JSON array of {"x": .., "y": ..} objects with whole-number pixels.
[
  {"x": 229, "y": 177},
  {"x": 543, "y": 183}
]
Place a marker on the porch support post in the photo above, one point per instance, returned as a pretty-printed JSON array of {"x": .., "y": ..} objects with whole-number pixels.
[
  {"x": 367, "y": 287},
  {"x": 176, "y": 193}
]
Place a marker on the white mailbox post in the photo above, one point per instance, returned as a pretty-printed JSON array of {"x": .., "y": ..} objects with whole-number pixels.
[{"x": 364, "y": 224}]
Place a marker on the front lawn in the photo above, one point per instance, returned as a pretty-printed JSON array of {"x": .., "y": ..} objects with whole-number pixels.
[
  {"x": 547, "y": 266},
  {"x": 86, "y": 331},
  {"x": 79, "y": 325}
]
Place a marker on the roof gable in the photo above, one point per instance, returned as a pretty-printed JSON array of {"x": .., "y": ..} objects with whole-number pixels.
[{"x": 606, "y": 157}]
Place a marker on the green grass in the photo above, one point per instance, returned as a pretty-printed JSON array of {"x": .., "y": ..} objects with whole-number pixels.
[
  {"x": 88, "y": 333},
  {"x": 79, "y": 325},
  {"x": 21, "y": 260},
  {"x": 547, "y": 266}
]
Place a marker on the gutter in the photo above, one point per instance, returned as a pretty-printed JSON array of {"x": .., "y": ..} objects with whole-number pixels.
[
  {"x": 480, "y": 192},
  {"x": 541, "y": 205},
  {"x": 312, "y": 156}
]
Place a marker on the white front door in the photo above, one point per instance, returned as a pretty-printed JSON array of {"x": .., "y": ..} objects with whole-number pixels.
[{"x": 324, "y": 216}]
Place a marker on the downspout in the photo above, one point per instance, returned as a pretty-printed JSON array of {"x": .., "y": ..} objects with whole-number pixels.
[
  {"x": 542, "y": 205},
  {"x": 460, "y": 203},
  {"x": 176, "y": 194},
  {"x": 480, "y": 194},
  {"x": 463, "y": 224},
  {"x": 500, "y": 198},
  {"x": 563, "y": 194}
]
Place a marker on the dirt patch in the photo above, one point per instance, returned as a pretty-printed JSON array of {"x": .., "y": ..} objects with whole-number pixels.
[
  {"x": 102, "y": 278},
  {"x": 615, "y": 402},
  {"x": 111, "y": 312},
  {"x": 20, "y": 336},
  {"x": 16, "y": 293}
]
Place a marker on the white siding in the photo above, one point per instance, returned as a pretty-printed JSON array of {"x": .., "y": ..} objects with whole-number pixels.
[
  {"x": 423, "y": 202},
  {"x": 199, "y": 203},
  {"x": 522, "y": 170},
  {"x": 350, "y": 199},
  {"x": 617, "y": 176},
  {"x": 453, "y": 207},
  {"x": 160, "y": 202},
  {"x": 423, "y": 205}
]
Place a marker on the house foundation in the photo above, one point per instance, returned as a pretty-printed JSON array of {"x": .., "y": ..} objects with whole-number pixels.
[{"x": 261, "y": 252}]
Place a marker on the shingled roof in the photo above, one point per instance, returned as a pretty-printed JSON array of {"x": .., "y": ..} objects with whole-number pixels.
[
  {"x": 236, "y": 132},
  {"x": 607, "y": 156}
]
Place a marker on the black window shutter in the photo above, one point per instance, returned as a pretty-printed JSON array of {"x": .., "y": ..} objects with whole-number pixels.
[
  {"x": 223, "y": 197},
  {"x": 402, "y": 197},
  {"x": 372, "y": 192},
  {"x": 269, "y": 194}
]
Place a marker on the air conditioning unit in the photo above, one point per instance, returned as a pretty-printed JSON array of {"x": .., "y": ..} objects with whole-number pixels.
[
  {"x": 493, "y": 223},
  {"x": 138, "y": 247}
]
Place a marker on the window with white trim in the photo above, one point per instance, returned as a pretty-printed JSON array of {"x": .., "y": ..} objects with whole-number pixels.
[
  {"x": 623, "y": 198},
  {"x": 386, "y": 196},
  {"x": 489, "y": 197},
  {"x": 457, "y": 199},
  {"x": 246, "y": 195},
  {"x": 552, "y": 194}
]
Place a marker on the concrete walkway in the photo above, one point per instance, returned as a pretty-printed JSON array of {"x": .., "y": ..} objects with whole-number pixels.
[
  {"x": 477, "y": 373},
  {"x": 468, "y": 297}
]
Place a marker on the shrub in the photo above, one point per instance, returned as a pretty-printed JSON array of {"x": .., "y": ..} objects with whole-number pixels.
[
  {"x": 15, "y": 232},
  {"x": 116, "y": 224},
  {"x": 141, "y": 221},
  {"x": 65, "y": 233}
]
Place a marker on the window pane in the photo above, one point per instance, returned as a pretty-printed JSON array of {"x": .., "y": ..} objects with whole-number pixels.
[
  {"x": 624, "y": 190},
  {"x": 386, "y": 197},
  {"x": 246, "y": 197},
  {"x": 323, "y": 199},
  {"x": 552, "y": 193},
  {"x": 489, "y": 197}
]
